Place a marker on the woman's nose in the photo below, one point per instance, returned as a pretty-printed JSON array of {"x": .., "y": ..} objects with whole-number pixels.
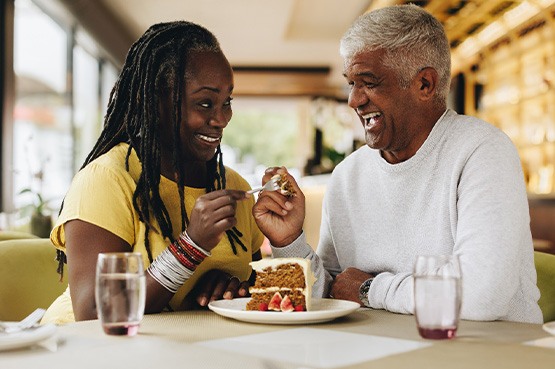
[{"x": 220, "y": 118}]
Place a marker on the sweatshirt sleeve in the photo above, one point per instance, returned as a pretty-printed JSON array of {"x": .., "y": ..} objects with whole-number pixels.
[
  {"x": 490, "y": 224},
  {"x": 493, "y": 238},
  {"x": 301, "y": 249}
]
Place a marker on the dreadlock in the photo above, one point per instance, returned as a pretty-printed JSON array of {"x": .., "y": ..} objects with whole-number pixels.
[{"x": 156, "y": 62}]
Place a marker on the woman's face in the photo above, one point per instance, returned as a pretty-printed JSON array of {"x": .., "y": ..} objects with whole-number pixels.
[{"x": 206, "y": 106}]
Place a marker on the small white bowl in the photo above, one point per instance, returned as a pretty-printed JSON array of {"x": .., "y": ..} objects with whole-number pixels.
[{"x": 549, "y": 327}]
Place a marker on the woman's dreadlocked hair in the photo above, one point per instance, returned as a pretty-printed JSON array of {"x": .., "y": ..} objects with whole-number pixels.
[{"x": 156, "y": 62}]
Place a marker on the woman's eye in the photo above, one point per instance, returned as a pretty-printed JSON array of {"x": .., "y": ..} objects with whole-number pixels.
[
  {"x": 228, "y": 101},
  {"x": 206, "y": 105}
]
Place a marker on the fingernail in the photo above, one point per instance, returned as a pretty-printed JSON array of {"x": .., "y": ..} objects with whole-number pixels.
[
  {"x": 228, "y": 295},
  {"x": 284, "y": 212},
  {"x": 242, "y": 292},
  {"x": 203, "y": 301},
  {"x": 288, "y": 205}
]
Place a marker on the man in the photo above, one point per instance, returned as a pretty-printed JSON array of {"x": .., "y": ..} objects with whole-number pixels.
[{"x": 429, "y": 181}]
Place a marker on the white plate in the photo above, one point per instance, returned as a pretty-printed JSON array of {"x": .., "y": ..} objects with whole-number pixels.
[
  {"x": 322, "y": 310},
  {"x": 28, "y": 337},
  {"x": 549, "y": 327}
]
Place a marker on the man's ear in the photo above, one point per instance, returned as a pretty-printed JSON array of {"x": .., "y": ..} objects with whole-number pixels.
[{"x": 426, "y": 81}]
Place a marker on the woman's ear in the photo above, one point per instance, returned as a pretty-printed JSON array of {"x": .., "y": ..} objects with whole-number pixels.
[{"x": 426, "y": 81}]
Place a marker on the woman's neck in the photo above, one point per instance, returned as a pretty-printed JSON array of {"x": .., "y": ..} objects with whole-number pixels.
[{"x": 194, "y": 173}]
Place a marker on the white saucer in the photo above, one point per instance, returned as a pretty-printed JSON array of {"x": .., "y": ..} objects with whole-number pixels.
[
  {"x": 28, "y": 337},
  {"x": 322, "y": 310},
  {"x": 549, "y": 327}
]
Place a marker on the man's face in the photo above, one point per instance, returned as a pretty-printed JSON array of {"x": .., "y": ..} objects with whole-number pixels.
[{"x": 385, "y": 108}]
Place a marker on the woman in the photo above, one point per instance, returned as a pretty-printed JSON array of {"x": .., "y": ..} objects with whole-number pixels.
[{"x": 155, "y": 182}]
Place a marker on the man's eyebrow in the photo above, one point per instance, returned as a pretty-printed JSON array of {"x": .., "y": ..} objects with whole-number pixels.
[{"x": 363, "y": 74}]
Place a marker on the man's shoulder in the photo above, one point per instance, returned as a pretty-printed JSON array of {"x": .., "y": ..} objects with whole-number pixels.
[
  {"x": 470, "y": 130},
  {"x": 473, "y": 125},
  {"x": 353, "y": 166}
]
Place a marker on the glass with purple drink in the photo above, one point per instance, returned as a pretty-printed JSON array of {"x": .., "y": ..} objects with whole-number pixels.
[
  {"x": 437, "y": 295},
  {"x": 120, "y": 292}
]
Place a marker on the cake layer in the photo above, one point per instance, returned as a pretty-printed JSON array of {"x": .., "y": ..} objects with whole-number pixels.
[
  {"x": 297, "y": 299},
  {"x": 291, "y": 279},
  {"x": 290, "y": 275}
]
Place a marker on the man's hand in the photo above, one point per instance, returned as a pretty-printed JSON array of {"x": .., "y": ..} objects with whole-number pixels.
[
  {"x": 347, "y": 284},
  {"x": 279, "y": 217}
]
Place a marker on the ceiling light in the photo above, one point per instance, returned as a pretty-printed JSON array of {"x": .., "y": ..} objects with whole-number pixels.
[
  {"x": 492, "y": 32},
  {"x": 469, "y": 47},
  {"x": 520, "y": 14},
  {"x": 545, "y": 3}
]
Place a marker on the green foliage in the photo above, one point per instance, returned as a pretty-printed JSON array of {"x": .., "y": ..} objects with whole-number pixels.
[
  {"x": 38, "y": 206},
  {"x": 271, "y": 138}
]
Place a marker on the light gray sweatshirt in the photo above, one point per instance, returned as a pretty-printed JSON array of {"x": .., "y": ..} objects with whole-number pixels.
[{"x": 463, "y": 192}]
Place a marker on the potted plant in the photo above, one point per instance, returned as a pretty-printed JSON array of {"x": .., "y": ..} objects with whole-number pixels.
[{"x": 41, "y": 221}]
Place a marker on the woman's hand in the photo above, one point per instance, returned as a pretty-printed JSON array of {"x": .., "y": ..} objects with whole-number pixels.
[
  {"x": 279, "y": 217},
  {"x": 215, "y": 285},
  {"x": 212, "y": 215}
]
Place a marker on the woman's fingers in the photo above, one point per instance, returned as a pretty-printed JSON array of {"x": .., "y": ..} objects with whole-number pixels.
[
  {"x": 243, "y": 289},
  {"x": 213, "y": 214},
  {"x": 206, "y": 287},
  {"x": 232, "y": 289}
]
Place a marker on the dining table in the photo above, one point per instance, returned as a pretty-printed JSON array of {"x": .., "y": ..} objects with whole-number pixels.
[{"x": 364, "y": 338}]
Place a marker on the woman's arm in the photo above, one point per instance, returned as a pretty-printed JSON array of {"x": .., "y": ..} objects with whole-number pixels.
[{"x": 84, "y": 241}]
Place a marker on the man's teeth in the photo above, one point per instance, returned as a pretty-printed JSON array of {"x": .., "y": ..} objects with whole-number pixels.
[
  {"x": 209, "y": 139},
  {"x": 369, "y": 118}
]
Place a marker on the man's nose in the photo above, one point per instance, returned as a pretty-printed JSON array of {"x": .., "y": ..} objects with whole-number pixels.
[{"x": 357, "y": 98}]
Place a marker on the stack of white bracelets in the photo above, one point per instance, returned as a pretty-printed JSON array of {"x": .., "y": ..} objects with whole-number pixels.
[{"x": 177, "y": 262}]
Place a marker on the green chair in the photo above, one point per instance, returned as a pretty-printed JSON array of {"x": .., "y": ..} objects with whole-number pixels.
[
  {"x": 28, "y": 278},
  {"x": 545, "y": 268},
  {"x": 15, "y": 235}
]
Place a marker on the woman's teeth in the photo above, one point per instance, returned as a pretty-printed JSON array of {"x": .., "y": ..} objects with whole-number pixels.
[{"x": 208, "y": 139}]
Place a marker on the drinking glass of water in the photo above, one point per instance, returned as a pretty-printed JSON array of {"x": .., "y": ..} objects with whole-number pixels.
[
  {"x": 120, "y": 292},
  {"x": 437, "y": 295}
]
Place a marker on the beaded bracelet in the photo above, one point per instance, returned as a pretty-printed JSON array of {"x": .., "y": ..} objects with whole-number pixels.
[
  {"x": 177, "y": 263},
  {"x": 168, "y": 271}
]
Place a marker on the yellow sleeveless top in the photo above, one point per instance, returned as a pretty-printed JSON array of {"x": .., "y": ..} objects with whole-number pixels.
[{"x": 102, "y": 194}]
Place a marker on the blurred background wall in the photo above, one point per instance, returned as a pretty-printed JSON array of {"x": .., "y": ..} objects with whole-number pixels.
[{"x": 60, "y": 59}]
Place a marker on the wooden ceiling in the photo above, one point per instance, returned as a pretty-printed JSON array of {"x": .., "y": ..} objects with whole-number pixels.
[
  {"x": 473, "y": 26},
  {"x": 290, "y": 47}
]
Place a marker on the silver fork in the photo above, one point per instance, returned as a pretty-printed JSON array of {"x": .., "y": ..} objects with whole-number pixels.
[
  {"x": 26, "y": 323},
  {"x": 271, "y": 185}
]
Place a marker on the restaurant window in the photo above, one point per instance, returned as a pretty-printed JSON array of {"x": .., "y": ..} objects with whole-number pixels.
[
  {"x": 87, "y": 112},
  {"x": 41, "y": 126},
  {"x": 61, "y": 91},
  {"x": 264, "y": 132}
]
